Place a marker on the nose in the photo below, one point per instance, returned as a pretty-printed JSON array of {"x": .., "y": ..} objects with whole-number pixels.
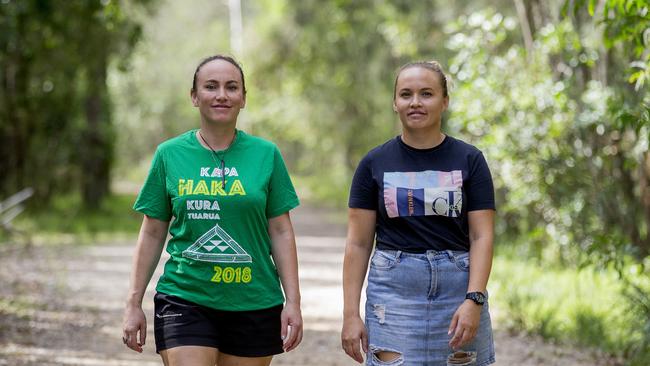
[
  {"x": 415, "y": 101},
  {"x": 221, "y": 94}
]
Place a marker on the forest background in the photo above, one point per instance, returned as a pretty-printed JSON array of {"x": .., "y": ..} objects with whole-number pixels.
[{"x": 555, "y": 93}]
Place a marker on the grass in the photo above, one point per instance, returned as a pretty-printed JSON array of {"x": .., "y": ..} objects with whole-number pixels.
[
  {"x": 581, "y": 307},
  {"x": 65, "y": 217}
]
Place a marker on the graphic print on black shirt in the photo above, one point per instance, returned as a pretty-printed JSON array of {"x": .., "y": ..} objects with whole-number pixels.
[{"x": 423, "y": 193}]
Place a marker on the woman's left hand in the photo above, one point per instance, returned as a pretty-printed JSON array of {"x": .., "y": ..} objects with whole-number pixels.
[
  {"x": 464, "y": 324},
  {"x": 291, "y": 326}
]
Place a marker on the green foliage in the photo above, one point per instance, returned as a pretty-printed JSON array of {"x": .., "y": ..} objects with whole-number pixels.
[
  {"x": 637, "y": 288},
  {"x": 327, "y": 74},
  {"x": 580, "y": 308},
  {"x": 627, "y": 22},
  {"x": 331, "y": 192},
  {"x": 553, "y": 147}
]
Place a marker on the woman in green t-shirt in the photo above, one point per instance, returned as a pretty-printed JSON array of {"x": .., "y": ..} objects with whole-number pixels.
[{"x": 224, "y": 198}]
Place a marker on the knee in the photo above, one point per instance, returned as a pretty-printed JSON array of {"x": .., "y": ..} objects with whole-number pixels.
[{"x": 386, "y": 356}]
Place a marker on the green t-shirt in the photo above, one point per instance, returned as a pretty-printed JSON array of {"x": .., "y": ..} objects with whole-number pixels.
[{"x": 220, "y": 246}]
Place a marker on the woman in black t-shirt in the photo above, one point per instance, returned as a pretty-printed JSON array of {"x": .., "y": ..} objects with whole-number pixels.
[{"x": 428, "y": 199}]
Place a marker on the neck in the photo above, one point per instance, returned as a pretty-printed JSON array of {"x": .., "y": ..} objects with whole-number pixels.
[
  {"x": 422, "y": 140},
  {"x": 217, "y": 137}
]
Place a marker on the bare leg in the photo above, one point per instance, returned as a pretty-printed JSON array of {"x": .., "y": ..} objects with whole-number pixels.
[
  {"x": 230, "y": 360},
  {"x": 190, "y": 356},
  {"x": 387, "y": 356}
]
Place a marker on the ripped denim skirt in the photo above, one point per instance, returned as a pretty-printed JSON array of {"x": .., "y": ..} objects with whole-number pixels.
[{"x": 410, "y": 300}]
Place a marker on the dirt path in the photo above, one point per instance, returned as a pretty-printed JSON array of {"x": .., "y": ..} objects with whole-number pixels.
[{"x": 62, "y": 305}]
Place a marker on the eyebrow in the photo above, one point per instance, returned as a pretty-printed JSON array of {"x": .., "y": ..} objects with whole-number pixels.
[
  {"x": 409, "y": 89},
  {"x": 217, "y": 81}
]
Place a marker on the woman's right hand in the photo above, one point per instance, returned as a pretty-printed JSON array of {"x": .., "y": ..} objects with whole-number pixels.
[
  {"x": 353, "y": 333},
  {"x": 134, "y": 328}
]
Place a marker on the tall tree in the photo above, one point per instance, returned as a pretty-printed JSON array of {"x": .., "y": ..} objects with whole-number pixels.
[{"x": 55, "y": 131}]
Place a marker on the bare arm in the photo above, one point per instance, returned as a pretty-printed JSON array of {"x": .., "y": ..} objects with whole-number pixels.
[
  {"x": 151, "y": 241},
  {"x": 481, "y": 238},
  {"x": 283, "y": 249},
  {"x": 360, "y": 240},
  {"x": 465, "y": 322}
]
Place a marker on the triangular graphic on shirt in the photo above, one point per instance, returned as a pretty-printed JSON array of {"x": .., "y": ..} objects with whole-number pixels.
[
  {"x": 231, "y": 251},
  {"x": 215, "y": 244}
]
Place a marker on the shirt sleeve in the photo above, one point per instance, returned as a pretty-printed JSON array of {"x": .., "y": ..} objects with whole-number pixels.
[
  {"x": 282, "y": 195},
  {"x": 479, "y": 188},
  {"x": 363, "y": 191},
  {"x": 154, "y": 199}
]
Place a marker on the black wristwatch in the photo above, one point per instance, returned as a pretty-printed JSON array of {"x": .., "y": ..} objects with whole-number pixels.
[{"x": 477, "y": 297}]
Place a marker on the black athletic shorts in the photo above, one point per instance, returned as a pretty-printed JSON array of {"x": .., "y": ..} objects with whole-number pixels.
[{"x": 179, "y": 322}]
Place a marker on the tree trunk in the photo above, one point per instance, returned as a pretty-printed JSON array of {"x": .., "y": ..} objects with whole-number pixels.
[
  {"x": 15, "y": 133},
  {"x": 526, "y": 30},
  {"x": 644, "y": 246},
  {"x": 97, "y": 144}
]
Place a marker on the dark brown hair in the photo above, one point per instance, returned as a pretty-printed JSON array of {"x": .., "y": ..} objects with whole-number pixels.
[
  {"x": 433, "y": 66},
  {"x": 224, "y": 58}
]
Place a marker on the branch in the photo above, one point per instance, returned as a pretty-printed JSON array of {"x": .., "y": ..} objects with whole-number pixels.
[{"x": 525, "y": 26}]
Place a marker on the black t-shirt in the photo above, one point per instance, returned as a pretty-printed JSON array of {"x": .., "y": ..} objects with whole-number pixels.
[{"x": 422, "y": 196}]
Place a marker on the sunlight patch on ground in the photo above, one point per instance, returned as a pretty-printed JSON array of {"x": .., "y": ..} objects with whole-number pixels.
[{"x": 46, "y": 356}]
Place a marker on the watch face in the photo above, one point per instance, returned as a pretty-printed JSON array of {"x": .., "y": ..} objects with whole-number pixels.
[
  {"x": 480, "y": 297},
  {"x": 477, "y": 297}
]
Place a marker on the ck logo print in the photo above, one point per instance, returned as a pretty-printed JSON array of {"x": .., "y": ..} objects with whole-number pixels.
[{"x": 424, "y": 193}]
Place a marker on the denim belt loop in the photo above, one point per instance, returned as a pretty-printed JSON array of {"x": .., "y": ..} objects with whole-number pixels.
[
  {"x": 398, "y": 254},
  {"x": 431, "y": 254},
  {"x": 450, "y": 254}
]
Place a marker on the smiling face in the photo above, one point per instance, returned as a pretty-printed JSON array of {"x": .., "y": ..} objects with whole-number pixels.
[
  {"x": 419, "y": 99},
  {"x": 219, "y": 92}
]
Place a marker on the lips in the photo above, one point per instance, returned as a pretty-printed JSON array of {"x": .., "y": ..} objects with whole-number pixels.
[
  {"x": 415, "y": 113},
  {"x": 220, "y": 106}
]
